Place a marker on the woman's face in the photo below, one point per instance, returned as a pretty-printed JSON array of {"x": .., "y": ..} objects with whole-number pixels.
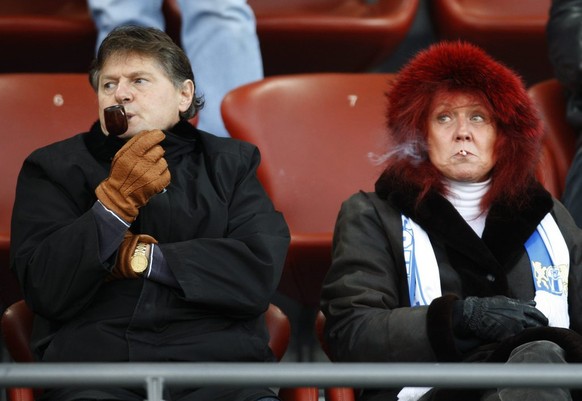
[{"x": 461, "y": 137}]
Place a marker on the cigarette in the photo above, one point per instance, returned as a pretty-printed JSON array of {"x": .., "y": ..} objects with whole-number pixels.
[{"x": 463, "y": 152}]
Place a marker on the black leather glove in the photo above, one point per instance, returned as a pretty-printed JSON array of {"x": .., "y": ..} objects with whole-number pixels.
[{"x": 495, "y": 318}]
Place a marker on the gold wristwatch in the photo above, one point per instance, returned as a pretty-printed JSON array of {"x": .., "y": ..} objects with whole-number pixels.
[{"x": 139, "y": 260}]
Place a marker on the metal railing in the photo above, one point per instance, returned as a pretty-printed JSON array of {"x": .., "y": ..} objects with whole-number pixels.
[{"x": 154, "y": 376}]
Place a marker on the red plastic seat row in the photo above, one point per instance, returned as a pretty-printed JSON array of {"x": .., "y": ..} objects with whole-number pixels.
[
  {"x": 331, "y": 35},
  {"x": 511, "y": 31},
  {"x": 295, "y": 36},
  {"x": 46, "y": 36}
]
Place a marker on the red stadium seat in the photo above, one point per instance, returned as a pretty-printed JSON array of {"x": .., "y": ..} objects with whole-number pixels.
[
  {"x": 323, "y": 35},
  {"x": 16, "y": 327},
  {"x": 46, "y": 36},
  {"x": 560, "y": 138},
  {"x": 315, "y": 133},
  {"x": 511, "y": 31},
  {"x": 35, "y": 110}
]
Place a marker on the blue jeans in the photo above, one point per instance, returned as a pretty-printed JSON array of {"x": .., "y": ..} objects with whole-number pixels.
[{"x": 219, "y": 37}]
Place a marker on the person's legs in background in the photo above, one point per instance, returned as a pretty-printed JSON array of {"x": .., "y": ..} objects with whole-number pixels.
[
  {"x": 221, "y": 42},
  {"x": 219, "y": 38},
  {"x": 108, "y": 14}
]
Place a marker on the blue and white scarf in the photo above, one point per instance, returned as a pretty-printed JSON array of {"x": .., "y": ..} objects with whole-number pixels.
[{"x": 550, "y": 263}]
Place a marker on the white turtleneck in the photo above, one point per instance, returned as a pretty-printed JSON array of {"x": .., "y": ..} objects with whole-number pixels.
[{"x": 466, "y": 198}]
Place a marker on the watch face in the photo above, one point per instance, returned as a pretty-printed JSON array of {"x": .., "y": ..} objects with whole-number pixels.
[{"x": 139, "y": 263}]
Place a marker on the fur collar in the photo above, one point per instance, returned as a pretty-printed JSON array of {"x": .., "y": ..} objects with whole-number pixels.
[{"x": 501, "y": 245}]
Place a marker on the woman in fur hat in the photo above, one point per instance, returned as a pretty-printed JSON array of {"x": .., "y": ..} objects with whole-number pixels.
[{"x": 460, "y": 254}]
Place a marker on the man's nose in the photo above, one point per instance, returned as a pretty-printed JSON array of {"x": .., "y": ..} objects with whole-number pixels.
[{"x": 123, "y": 93}]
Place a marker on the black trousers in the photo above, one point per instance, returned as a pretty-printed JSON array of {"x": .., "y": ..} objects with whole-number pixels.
[{"x": 533, "y": 352}]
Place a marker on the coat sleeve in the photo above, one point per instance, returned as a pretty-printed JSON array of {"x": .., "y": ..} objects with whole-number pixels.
[
  {"x": 367, "y": 319},
  {"x": 54, "y": 238},
  {"x": 238, "y": 272}
]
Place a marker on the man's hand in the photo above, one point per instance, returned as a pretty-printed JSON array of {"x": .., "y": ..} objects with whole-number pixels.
[
  {"x": 138, "y": 172},
  {"x": 122, "y": 268}
]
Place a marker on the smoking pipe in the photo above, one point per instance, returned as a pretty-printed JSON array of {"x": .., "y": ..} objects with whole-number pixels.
[{"x": 115, "y": 119}]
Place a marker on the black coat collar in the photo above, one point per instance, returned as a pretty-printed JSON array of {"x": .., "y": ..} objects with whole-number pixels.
[{"x": 181, "y": 139}]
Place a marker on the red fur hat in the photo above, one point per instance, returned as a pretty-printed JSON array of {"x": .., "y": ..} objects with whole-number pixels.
[{"x": 459, "y": 66}]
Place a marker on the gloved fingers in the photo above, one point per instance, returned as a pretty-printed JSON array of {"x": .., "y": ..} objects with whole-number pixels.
[
  {"x": 503, "y": 300},
  {"x": 139, "y": 144},
  {"x": 532, "y": 315},
  {"x": 509, "y": 321},
  {"x": 153, "y": 154},
  {"x": 144, "y": 141},
  {"x": 141, "y": 170},
  {"x": 496, "y": 318},
  {"x": 149, "y": 182},
  {"x": 499, "y": 301},
  {"x": 161, "y": 182},
  {"x": 128, "y": 245},
  {"x": 503, "y": 303},
  {"x": 122, "y": 268},
  {"x": 148, "y": 239},
  {"x": 535, "y": 318},
  {"x": 516, "y": 309},
  {"x": 124, "y": 164}
]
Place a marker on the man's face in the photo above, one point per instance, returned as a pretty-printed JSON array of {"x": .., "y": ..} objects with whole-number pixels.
[{"x": 139, "y": 83}]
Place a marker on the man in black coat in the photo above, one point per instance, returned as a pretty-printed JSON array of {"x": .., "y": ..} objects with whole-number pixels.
[{"x": 159, "y": 244}]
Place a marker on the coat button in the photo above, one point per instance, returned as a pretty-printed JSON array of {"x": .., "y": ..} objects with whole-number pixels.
[{"x": 490, "y": 277}]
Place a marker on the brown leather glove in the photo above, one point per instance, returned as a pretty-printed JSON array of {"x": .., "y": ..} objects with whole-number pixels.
[
  {"x": 122, "y": 268},
  {"x": 138, "y": 172}
]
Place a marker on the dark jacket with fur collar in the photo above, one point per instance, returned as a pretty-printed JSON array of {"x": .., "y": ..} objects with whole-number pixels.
[{"x": 365, "y": 294}]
